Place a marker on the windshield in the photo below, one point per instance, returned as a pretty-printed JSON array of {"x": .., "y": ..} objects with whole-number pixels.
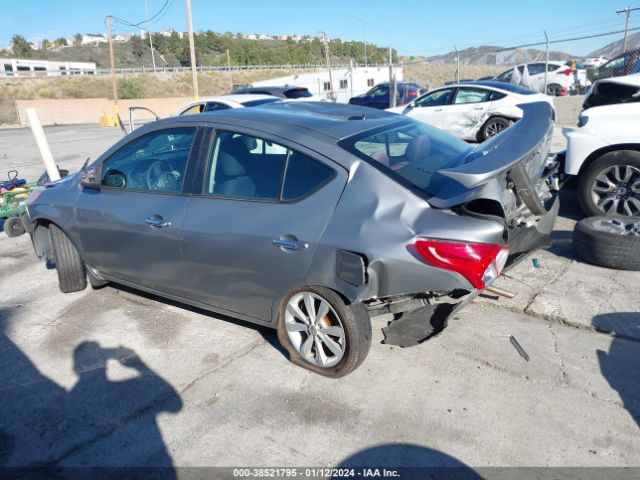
[
  {"x": 411, "y": 154},
  {"x": 297, "y": 93}
]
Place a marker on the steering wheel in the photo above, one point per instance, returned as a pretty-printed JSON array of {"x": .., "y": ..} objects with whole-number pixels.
[{"x": 162, "y": 176}]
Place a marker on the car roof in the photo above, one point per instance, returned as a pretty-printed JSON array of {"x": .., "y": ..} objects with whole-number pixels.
[
  {"x": 632, "y": 80},
  {"x": 502, "y": 86},
  {"x": 335, "y": 120},
  {"x": 275, "y": 88}
]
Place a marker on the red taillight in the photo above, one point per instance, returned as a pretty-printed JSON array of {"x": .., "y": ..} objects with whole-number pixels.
[
  {"x": 412, "y": 94},
  {"x": 480, "y": 263},
  {"x": 566, "y": 72}
]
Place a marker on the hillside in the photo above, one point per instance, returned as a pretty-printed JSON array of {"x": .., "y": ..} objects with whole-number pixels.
[
  {"x": 211, "y": 48},
  {"x": 615, "y": 48},
  {"x": 486, "y": 55}
]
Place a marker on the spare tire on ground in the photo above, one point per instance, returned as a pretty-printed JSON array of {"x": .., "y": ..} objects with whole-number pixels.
[{"x": 612, "y": 242}]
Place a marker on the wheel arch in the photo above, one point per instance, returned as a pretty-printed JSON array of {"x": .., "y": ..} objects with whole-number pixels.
[
  {"x": 42, "y": 241},
  {"x": 480, "y": 135},
  {"x": 596, "y": 154}
]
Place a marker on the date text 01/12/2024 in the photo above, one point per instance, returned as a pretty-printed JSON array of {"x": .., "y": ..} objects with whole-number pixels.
[{"x": 320, "y": 472}]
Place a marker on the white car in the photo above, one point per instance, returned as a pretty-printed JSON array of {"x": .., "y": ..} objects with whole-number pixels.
[
  {"x": 603, "y": 152},
  {"x": 472, "y": 111},
  {"x": 560, "y": 77},
  {"x": 224, "y": 102}
]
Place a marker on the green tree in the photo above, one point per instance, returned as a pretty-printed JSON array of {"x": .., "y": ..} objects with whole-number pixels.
[
  {"x": 46, "y": 44},
  {"x": 20, "y": 47},
  {"x": 77, "y": 40},
  {"x": 60, "y": 42}
]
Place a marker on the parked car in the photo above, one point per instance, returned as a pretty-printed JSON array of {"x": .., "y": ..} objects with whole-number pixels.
[
  {"x": 626, "y": 63},
  {"x": 290, "y": 92},
  {"x": 473, "y": 111},
  {"x": 225, "y": 102},
  {"x": 560, "y": 78},
  {"x": 603, "y": 152},
  {"x": 379, "y": 96},
  {"x": 336, "y": 213},
  {"x": 595, "y": 62}
]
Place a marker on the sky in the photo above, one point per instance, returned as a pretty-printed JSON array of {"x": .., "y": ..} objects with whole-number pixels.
[{"x": 413, "y": 27}]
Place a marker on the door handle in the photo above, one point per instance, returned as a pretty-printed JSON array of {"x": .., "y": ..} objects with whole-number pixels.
[
  {"x": 290, "y": 244},
  {"x": 156, "y": 221},
  {"x": 438, "y": 109},
  {"x": 478, "y": 108}
]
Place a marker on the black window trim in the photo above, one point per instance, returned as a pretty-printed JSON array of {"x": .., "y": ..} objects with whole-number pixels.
[
  {"x": 455, "y": 92},
  {"x": 204, "y": 166},
  {"x": 192, "y": 159}
]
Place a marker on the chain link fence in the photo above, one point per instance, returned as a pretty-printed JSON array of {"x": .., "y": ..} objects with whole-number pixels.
[{"x": 557, "y": 66}]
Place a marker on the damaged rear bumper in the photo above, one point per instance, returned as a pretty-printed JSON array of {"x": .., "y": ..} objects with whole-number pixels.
[{"x": 419, "y": 317}]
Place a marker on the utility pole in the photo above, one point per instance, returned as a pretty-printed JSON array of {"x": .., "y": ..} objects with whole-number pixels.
[
  {"x": 457, "y": 64},
  {"x": 229, "y": 70},
  {"x": 392, "y": 82},
  {"x": 546, "y": 62},
  {"x": 327, "y": 56},
  {"x": 116, "y": 108},
  {"x": 153, "y": 57},
  {"x": 627, "y": 11},
  {"x": 192, "y": 49}
]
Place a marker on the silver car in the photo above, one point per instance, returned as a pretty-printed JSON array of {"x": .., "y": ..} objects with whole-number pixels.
[{"x": 306, "y": 217}]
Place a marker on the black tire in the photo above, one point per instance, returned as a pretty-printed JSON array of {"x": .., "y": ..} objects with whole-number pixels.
[
  {"x": 355, "y": 322},
  {"x": 587, "y": 177},
  {"x": 70, "y": 267},
  {"x": 605, "y": 249},
  {"x": 493, "y": 126},
  {"x": 13, "y": 227},
  {"x": 554, "y": 90}
]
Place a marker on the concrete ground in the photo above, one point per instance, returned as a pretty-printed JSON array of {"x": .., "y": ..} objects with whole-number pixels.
[{"x": 115, "y": 377}]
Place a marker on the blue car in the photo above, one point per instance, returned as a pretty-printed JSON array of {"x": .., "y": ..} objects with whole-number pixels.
[{"x": 378, "y": 96}]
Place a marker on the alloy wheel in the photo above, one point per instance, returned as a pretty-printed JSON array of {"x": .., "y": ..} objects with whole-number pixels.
[
  {"x": 618, "y": 226},
  {"x": 616, "y": 190},
  {"x": 315, "y": 330},
  {"x": 495, "y": 127}
]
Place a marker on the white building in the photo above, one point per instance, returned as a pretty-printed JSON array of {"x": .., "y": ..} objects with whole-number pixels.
[
  {"x": 347, "y": 82},
  {"x": 93, "y": 39},
  {"x": 17, "y": 67}
]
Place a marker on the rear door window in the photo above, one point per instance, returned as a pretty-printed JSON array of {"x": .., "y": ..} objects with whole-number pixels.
[
  {"x": 297, "y": 93},
  {"x": 248, "y": 167},
  {"x": 214, "y": 106},
  {"x": 472, "y": 95},
  {"x": 535, "y": 68}
]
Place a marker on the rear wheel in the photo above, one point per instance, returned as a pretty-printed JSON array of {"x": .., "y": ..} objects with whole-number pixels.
[
  {"x": 69, "y": 265},
  {"x": 13, "y": 227},
  {"x": 494, "y": 126},
  {"x": 322, "y": 333},
  {"x": 611, "y": 185}
]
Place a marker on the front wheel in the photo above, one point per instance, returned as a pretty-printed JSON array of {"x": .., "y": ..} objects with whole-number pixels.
[
  {"x": 611, "y": 185},
  {"x": 70, "y": 267},
  {"x": 494, "y": 126},
  {"x": 13, "y": 227},
  {"x": 322, "y": 333}
]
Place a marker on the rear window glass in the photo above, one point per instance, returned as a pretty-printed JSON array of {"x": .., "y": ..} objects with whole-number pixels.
[
  {"x": 609, "y": 93},
  {"x": 298, "y": 93},
  {"x": 411, "y": 153}
]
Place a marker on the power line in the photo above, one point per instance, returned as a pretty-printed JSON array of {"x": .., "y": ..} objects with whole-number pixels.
[{"x": 143, "y": 23}]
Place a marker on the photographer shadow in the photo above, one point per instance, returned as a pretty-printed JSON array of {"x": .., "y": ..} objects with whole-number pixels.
[{"x": 100, "y": 422}]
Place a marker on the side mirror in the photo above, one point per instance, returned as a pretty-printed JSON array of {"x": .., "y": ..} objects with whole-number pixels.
[{"x": 91, "y": 179}]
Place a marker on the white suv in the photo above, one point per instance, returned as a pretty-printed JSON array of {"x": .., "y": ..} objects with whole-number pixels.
[
  {"x": 604, "y": 151},
  {"x": 561, "y": 80}
]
